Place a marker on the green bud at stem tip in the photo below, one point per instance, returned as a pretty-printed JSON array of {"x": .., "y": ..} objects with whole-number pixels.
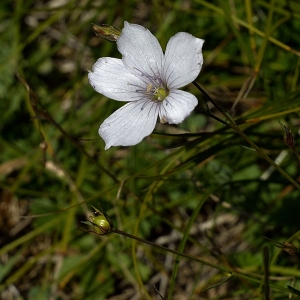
[{"x": 107, "y": 32}]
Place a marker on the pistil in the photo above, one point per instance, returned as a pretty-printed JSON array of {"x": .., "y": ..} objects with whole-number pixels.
[{"x": 160, "y": 94}]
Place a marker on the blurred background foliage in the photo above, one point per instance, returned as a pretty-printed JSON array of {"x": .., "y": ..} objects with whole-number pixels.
[{"x": 195, "y": 187}]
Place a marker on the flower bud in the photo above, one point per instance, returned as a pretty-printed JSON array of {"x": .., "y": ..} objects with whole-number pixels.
[
  {"x": 102, "y": 226},
  {"x": 101, "y": 222},
  {"x": 107, "y": 32},
  {"x": 286, "y": 247},
  {"x": 290, "y": 248},
  {"x": 288, "y": 136}
]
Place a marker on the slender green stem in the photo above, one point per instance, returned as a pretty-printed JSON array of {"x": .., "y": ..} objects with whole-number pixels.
[
  {"x": 235, "y": 127},
  {"x": 248, "y": 8},
  {"x": 265, "y": 41},
  {"x": 266, "y": 258},
  {"x": 211, "y": 116},
  {"x": 171, "y": 250},
  {"x": 229, "y": 272},
  {"x": 184, "y": 240}
]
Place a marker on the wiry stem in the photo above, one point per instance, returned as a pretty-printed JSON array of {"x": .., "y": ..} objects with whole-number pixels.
[
  {"x": 235, "y": 127},
  {"x": 170, "y": 250},
  {"x": 229, "y": 273},
  {"x": 103, "y": 228}
]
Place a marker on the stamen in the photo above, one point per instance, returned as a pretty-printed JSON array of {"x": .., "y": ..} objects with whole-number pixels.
[
  {"x": 149, "y": 87},
  {"x": 140, "y": 89},
  {"x": 155, "y": 80},
  {"x": 154, "y": 87}
]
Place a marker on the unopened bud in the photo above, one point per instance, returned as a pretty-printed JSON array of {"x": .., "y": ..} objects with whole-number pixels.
[
  {"x": 290, "y": 248},
  {"x": 107, "y": 32},
  {"x": 286, "y": 247},
  {"x": 288, "y": 137},
  {"x": 102, "y": 226},
  {"x": 101, "y": 222}
]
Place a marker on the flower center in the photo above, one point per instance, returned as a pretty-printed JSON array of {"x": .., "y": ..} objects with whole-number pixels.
[
  {"x": 155, "y": 90},
  {"x": 156, "y": 93},
  {"x": 160, "y": 94}
]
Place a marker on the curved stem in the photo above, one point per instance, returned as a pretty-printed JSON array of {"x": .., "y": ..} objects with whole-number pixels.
[
  {"x": 235, "y": 127},
  {"x": 229, "y": 272},
  {"x": 115, "y": 230}
]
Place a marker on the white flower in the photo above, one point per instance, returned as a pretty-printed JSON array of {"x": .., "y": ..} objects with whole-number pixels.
[{"x": 149, "y": 80}]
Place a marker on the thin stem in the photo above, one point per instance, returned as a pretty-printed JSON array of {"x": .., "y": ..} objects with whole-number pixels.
[
  {"x": 211, "y": 116},
  {"x": 115, "y": 230},
  {"x": 230, "y": 273},
  {"x": 235, "y": 127},
  {"x": 215, "y": 104},
  {"x": 266, "y": 258},
  {"x": 248, "y": 6}
]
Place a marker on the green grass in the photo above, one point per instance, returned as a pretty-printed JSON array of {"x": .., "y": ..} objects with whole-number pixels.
[{"x": 201, "y": 188}]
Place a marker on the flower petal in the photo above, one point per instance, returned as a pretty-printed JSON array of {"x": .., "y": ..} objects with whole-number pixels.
[
  {"x": 129, "y": 124},
  {"x": 110, "y": 78},
  {"x": 141, "y": 51},
  {"x": 183, "y": 60},
  {"x": 177, "y": 106}
]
